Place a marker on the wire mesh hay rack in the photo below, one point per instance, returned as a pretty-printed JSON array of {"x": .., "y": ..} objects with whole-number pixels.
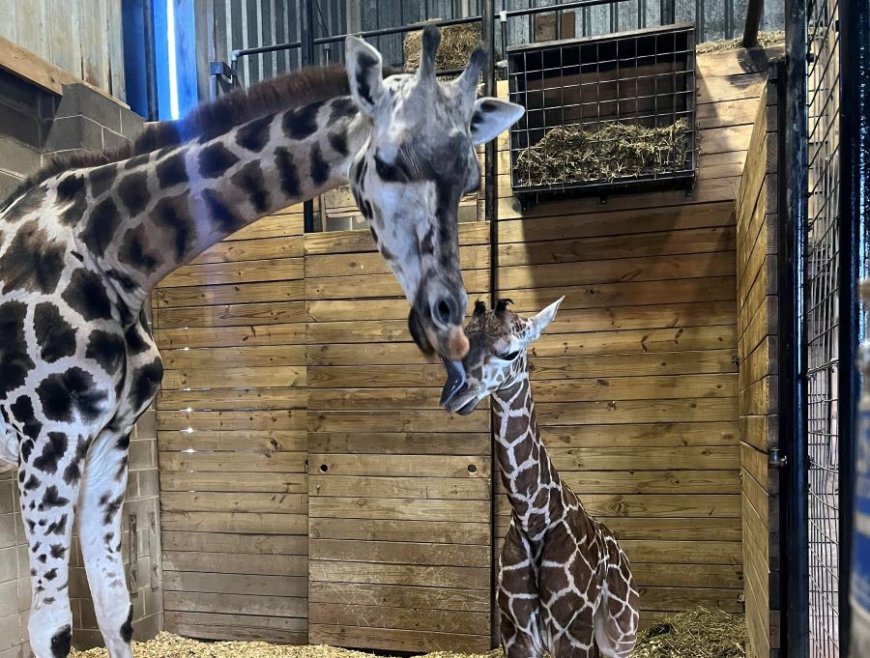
[{"x": 605, "y": 114}]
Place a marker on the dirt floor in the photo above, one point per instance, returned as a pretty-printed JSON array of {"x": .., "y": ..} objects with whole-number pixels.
[{"x": 699, "y": 633}]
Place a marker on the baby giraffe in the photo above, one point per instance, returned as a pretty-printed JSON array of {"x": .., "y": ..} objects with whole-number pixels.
[{"x": 564, "y": 586}]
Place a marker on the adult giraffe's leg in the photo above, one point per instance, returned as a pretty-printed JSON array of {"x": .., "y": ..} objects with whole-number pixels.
[
  {"x": 101, "y": 500},
  {"x": 48, "y": 482}
]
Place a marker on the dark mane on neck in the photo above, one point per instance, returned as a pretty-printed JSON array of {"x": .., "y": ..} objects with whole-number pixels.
[{"x": 209, "y": 120}]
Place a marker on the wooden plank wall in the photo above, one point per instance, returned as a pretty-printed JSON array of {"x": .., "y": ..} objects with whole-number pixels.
[
  {"x": 232, "y": 438},
  {"x": 286, "y": 353},
  {"x": 81, "y": 37},
  {"x": 757, "y": 342},
  {"x": 399, "y": 491},
  {"x": 636, "y": 381}
]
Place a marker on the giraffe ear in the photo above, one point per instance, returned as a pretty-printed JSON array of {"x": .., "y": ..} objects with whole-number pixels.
[
  {"x": 538, "y": 323},
  {"x": 365, "y": 72},
  {"x": 491, "y": 116}
]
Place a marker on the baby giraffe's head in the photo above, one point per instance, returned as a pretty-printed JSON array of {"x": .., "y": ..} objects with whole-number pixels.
[{"x": 497, "y": 356}]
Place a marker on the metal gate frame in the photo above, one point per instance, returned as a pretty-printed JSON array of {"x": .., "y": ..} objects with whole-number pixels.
[{"x": 831, "y": 266}]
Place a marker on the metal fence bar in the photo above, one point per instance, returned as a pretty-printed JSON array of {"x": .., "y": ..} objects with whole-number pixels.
[
  {"x": 830, "y": 312},
  {"x": 792, "y": 170},
  {"x": 855, "y": 209}
]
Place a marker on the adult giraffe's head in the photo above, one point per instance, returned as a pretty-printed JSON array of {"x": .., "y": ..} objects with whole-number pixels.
[
  {"x": 411, "y": 173},
  {"x": 499, "y": 339}
]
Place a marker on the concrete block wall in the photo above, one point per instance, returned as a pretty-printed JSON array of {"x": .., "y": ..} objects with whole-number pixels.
[{"x": 34, "y": 126}]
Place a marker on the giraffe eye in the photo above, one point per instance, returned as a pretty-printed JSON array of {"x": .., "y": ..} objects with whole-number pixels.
[
  {"x": 387, "y": 172},
  {"x": 510, "y": 356}
]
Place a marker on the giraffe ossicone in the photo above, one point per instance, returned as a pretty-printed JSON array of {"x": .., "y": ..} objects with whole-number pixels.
[
  {"x": 564, "y": 584},
  {"x": 84, "y": 241}
]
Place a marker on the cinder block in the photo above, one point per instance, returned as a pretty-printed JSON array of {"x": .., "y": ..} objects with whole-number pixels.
[
  {"x": 10, "y": 632},
  {"x": 84, "y": 639},
  {"x": 8, "y": 533},
  {"x": 9, "y": 599},
  {"x": 74, "y": 132},
  {"x": 79, "y": 99},
  {"x": 112, "y": 141},
  {"x": 18, "y": 92},
  {"x": 17, "y": 157},
  {"x": 21, "y": 126},
  {"x": 147, "y": 425},
  {"x": 131, "y": 124},
  {"x": 147, "y": 628},
  {"x": 8, "y": 564},
  {"x": 149, "y": 484},
  {"x": 8, "y": 183}
]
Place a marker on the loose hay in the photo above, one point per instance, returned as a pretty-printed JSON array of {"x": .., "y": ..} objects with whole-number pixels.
[
  {"x": 700, "y": 633},
  {"x": 570, "y": 154},
  {"x": 167, "y": 645},
  {"x": 457, "y": 44},
  {"x": 765, "y": 40}
]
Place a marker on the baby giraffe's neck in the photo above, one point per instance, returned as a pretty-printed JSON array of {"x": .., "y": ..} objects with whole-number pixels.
[{"x": 532, "y": 483}]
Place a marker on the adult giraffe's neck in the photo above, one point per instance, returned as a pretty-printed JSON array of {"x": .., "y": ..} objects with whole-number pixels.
[
  {"x": 173, "y": 204},
  {"x": 533, "y": 485}
]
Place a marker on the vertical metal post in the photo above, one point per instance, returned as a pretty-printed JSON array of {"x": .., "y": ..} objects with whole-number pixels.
[
  {"x": 490, "y": 212},
  {"x": 753, "y": 19},
  {"x": 150, "y": 63},
  {"x": 668, "y": 12},
  {"x": 854, "y": 218},
  {"x": 792, "y": 173},
  {"x": 307, "y": 27},
  {"x": 490, "y": 202}
]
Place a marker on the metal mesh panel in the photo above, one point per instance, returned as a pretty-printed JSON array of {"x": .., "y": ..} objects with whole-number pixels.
[
  {"x": 822, "y": 323},
  {"x": 644, "y": 78}
]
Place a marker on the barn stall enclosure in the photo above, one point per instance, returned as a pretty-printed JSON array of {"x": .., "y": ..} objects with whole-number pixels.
[
  {"x": 310, "y": 488},
  {"x": 358, "y": 513}
]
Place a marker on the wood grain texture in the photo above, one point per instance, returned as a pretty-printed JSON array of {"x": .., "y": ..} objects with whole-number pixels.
[
  {"x": 757, "y": 329},
  {"x": 289, "y": 366}
]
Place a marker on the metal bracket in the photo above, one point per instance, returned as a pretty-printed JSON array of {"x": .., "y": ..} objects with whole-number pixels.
[
  {"x": 220, "y": 70},
  {"x": 776, "y": 458}
]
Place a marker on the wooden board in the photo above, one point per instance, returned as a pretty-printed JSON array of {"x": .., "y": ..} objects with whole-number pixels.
[{"x": 757, "y": 340}]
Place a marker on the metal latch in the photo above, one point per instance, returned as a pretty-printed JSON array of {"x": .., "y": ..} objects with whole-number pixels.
[{"x": 776, "y": 458}]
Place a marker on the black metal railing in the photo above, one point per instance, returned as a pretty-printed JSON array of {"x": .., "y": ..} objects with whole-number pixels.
[{"x": 624, "y": 103}]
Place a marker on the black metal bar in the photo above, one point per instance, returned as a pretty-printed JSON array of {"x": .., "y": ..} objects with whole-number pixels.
[
  {"x": 753, "y": 20},
  {"x": 668, "y": 12},
  {"x": 792, "y": 172},
  {"x": 490, "y": 204},
  {"x": 854, "y": 221},
  {"x": 150, "y": 64},
  {"x": 241, "y": 52},
  {"x": 489, "y": 210},
  {"x": 470, "y": 19},
  {"x": 307, "y": 28}
]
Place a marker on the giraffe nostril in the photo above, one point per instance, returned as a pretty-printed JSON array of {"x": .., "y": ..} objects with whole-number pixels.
[{"x": 443, "y": 311}]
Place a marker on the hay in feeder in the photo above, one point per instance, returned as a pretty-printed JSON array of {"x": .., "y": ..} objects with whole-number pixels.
[
  {"x": 699, "y": 633},
  {"x": 457, "y": 44},
  {"x": 765, "y": 40},
  {"x": 571, "y": 154}
]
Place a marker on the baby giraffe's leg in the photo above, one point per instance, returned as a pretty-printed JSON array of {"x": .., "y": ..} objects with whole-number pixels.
[
  {"x": 616, "y": 619},
  {"x": 517, "y": 597},
  {"x": 102, "y": 497},
  {"x": 48, "y": 481}
]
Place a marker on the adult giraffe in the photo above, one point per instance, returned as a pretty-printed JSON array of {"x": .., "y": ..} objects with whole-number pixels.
[{"x": 84, "y": 242}]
